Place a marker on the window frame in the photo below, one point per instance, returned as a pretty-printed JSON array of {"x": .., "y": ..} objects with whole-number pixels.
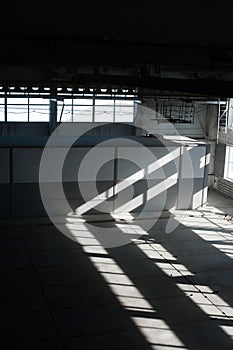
[{"x": 11, "y": 104}]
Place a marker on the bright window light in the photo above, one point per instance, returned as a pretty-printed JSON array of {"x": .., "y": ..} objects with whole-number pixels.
[
  {"x": 39, "y": 112},
  {"x": 90, "y": 109},
  {"x": 17, "y": 101},
  {"x": 17, "y": 113},
  {"x": 228, "y": 170},
  {"x": 82, "y": 113},
  {"x": 64, "y": 111},
  {"x": 104, "y": 113},
  {"x": 2, "y": 109},
  {"x": 124, "y": 111}
]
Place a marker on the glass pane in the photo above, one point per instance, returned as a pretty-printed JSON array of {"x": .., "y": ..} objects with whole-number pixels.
[
  {"x": 38, "y": 101},
  {"x": 17, "y": 100},
  {"x": 230, "y": 154},
  {"x": 124, "y": 114},
  {"x": 230, "y": 171},
  {"x": 2, "y": 110},
  {"x": 17, "y": 113},
  {"x": 64, "y": 114},
  {"x": 124, "y": 103},
  {"x": 67, "y": 102},
  {"x": 104, "y": 102},
  {"x": 82, "y": 113},
  {"x": 38, "y": 113},
  {"x": 104, "y": 113},
  {"x": 83, "y": 101}
]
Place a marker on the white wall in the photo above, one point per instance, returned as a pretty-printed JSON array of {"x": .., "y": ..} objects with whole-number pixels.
[
  {"x": 147, "y": 118},
  {"x": 21, "y": 197}
]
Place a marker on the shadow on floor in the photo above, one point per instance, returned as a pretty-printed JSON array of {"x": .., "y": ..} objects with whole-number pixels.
[{"x": 163, "y": 291}]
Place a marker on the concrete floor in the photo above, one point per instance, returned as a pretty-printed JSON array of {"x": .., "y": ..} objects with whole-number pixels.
[{"x": 162, "y": 291}]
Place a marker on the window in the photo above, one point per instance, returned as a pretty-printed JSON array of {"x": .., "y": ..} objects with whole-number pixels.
[
  {"x": 38, "y": 110},
  {"x": 104, "y": 111},
  {"x": 83, "y": 110},
  {"x": 228, "y": 170},
  {"x": 124, "y": 111},
  {"x": 64, "y": 110},
  {"x": 95, "y": 110},
  {"x": 229, "y": 112},
  {"x": 24, "y": 109},
  {"x": 89, "y": 108},
  {"x": 2, "y": 109},
  {"x": 17, "y": 109}
]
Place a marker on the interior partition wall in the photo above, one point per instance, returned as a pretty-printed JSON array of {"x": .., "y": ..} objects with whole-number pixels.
[{"x": 163, "y": 186}]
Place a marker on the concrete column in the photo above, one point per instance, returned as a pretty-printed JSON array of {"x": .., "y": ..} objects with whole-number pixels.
[
  {"x": 211, "y": 138},
  {"x": 52, "y": 115}
]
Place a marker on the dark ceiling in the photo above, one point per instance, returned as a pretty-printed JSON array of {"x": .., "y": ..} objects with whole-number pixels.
[{"x": 176, "y": 46}]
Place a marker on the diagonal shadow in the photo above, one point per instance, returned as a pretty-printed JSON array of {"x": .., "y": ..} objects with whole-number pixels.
[
  {"x": 96, "y": 297},
  {"x": 59, "y": 300},
  {"x": 180, "y": 313}
]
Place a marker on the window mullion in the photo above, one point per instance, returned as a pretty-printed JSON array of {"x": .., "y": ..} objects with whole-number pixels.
[
  {"x": 93, "y": 109},
  {"x": 28, "y": 110},
  {"x": 5, "y": 109}
]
